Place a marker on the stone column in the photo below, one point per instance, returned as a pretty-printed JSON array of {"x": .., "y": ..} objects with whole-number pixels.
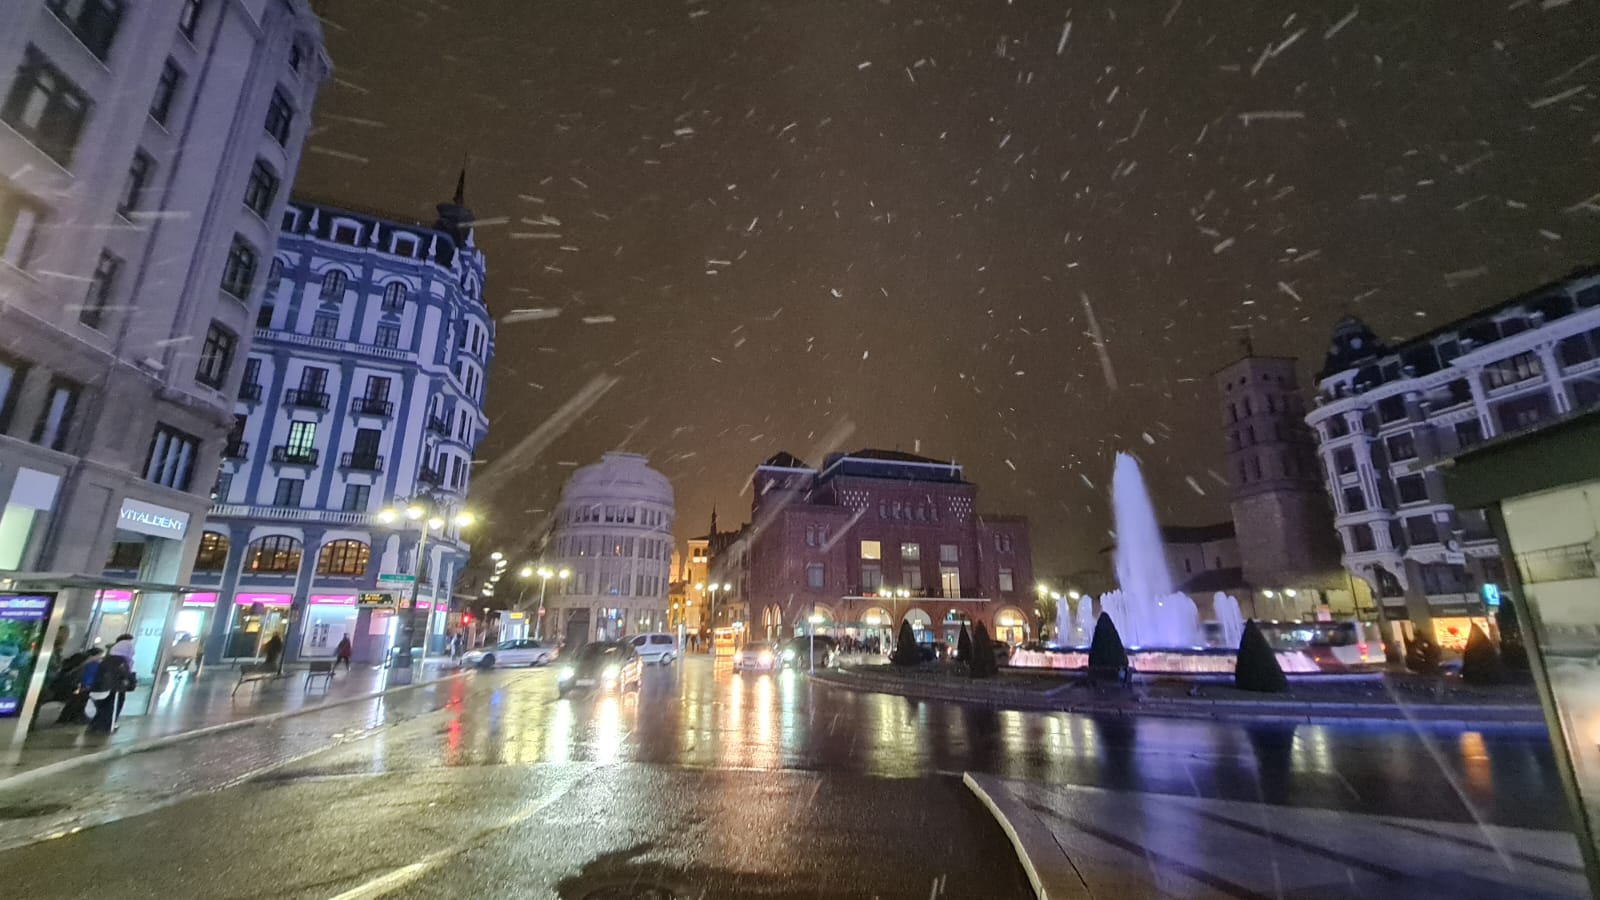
[
  {"x": 310, "y": 549},
  {"x": 1480, "y": 401},
  {"x": 1552, "y": 374},
  {"x": 222, "y": 613}
]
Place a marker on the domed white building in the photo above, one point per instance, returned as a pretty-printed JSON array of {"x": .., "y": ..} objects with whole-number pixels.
[{"x": 614, "y": 533}]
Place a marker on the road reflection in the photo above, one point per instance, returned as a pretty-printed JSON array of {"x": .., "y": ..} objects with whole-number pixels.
[{"x": 697, "y": 715}]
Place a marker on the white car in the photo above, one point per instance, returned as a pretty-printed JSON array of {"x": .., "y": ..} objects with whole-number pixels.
[
  {"x": 657, "y": 647},
  {"x": 521, "y": 652}
]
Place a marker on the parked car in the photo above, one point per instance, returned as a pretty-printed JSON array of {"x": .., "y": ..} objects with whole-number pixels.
[
  {"x": 603, "y": 665},
  {"x": 519, "y": 652},
  {"x": 657, "y": 647},
  {"x": 796, "y": 652},
  {"x": 758, "y": 656}
]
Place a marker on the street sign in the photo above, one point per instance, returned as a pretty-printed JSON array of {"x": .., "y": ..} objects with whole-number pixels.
[
  {"x": 375, "y": 599},
  {"x": 1491, "y": 594},
  {"x": 394, "y": 579}
]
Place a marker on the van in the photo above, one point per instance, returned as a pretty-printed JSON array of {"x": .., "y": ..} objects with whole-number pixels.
[{"x": 657, "y": 647}]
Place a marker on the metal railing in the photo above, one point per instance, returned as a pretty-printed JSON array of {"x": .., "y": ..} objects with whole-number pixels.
[
  {"x": 361, "y": 462},
  {"x": 1570, "y": 563},
  {"x": 250, "y": 392},
  {"x": 305, "y": 399},
  {"x": 294, "y": 456},
  {"x": 438, "y": 425},
  {"x": 371, "y": 406},
  {"x": 236, "y": 450}
]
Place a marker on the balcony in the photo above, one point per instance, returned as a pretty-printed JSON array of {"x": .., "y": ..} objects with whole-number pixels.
[
  {"x": 371, "y": 406},
  {"x": 294, "y": 456},
  {"x": 236, "y": 450},
  {"x": 361, "y": 462},
  {"x": 426, "y": 475},
  {"x": 438, "y": 426},
  {"x": 306, "y": 399},
  {"x": 250, "y": 393}
]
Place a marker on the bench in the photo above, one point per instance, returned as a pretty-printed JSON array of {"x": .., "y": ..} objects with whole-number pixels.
[
  {"x": 255, "y": 673},
  {"x": 320, "y": 668}
]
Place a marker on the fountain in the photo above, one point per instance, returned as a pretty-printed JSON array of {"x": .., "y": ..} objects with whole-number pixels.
[
  {"x": 1085, "y": 620},
  {"x": 1148, "y": 612},
  {"x": 1225, "y": 607}
]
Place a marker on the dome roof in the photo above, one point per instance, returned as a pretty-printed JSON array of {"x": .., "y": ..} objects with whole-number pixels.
[{"x": 618, "y": 475}]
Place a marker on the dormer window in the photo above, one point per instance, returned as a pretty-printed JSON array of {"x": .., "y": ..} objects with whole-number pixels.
[{"x": 346, "y": 233}]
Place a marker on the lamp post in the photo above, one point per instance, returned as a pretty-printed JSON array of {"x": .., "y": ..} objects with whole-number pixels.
[
  {"x": 816, "y": 619},
  {"x": 545, "y": 574},
  {"x": 428, "y": 518}
]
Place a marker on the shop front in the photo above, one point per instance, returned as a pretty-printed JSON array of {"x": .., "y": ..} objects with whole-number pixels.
[
  {"x": 255, "y": 618},
  {"x": 330, "y": 618},
  {"x": 1011, "y": 626}
]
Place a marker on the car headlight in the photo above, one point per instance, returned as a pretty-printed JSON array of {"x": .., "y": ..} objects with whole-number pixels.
[
  {"x": 611, "y": 672},
  {"x": 766, "y": 659},
  {"x": 789, "y": 653},
  {"x": 566, "y": 673}
]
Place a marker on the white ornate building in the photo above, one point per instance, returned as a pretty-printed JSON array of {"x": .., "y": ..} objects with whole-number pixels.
[
  {"x": 614, "y": 532},
  {"x": 365, "y": 389},
  {"x": 1385, "y": 417}
]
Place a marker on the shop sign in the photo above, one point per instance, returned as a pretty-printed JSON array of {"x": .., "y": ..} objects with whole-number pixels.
[
  {"x": 517, "y": 615},
  {"x": 1491, "y": 594},
  {"x": 23, "y": 619},
  {"x": 156, "y": 521},
  {"x": 375, "y": 599}
]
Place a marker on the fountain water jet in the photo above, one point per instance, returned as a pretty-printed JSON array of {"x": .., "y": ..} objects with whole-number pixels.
[{"x": 1148, "y": 612}]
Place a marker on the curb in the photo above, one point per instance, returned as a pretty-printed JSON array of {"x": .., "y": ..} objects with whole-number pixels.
[
  {"x": 1454, "y": 717},
  {"x": 1057, "y": 878},
  {"x": 27, "y": 776}
]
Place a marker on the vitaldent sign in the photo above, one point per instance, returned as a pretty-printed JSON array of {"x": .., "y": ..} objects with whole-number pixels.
[{"x": 156, "y": 521}]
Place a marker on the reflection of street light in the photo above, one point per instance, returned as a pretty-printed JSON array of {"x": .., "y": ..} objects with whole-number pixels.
[
  {"x": 545, "y": 574},
  {"x": 435, "y": 522}
]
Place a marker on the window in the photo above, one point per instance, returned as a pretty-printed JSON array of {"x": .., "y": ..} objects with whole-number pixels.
[
  {"x": 172, "y": 458},
  {"x": 296, "y": 55},
  {"x": 1516, "y": 369},
  {"x": 93, "y": 21},
  {"x": 387, "y": 337},
  {"x": 288, "y": 492},
  {"x": 216, "y": 357},
  {"x": 815, "y": 576},
  {"x": 302, "y": 438},
  {"x": 871, "y": 550},
  {"x": 871, "y": 578},
  {"x": 950, "y": 581},
  {"x": 1008, "y": 584},
  {"x": 911, "y": 574},
  {"x": 1344, "y": 461},
  {"x": 346, "y": 233},
  {"x": 55, "y": 420},
  {"x": 239, "y": 273},
  {"x": 949, "y": 553},
  {"x": 333, "y": 285},
  {"x": 1392, "y": 409},
  {"x": 140, "y": 173},
  {"x": 259, "y": 192},
  {"x": 275, "y": 553},
  {"x": 45, "y": 107},
  {"x": 101, "y": 286},
  {"x": 126, "y": 555},
  {"x": 377, "y": 388},
  {"x": 1354, "y": 500},
  {"x": 1361, "y": 540},
  {"x": 264, "y": 316},
  {"x": 1412, "y": 488},
  {"x": 189, "y": 18},
  {"x": 1438, "y": 578},
  {"x": 12, "y": 372},
  {"x": 213, "y": 553},
  {"x": 910, "y": 551},
  {"x": 280, "y": 116},
  {"x": 1401, "y": 447},
  {"x": 394, "y": 296},
  {"x": 1469, "y": 433},
  {"x": 346, "y": 557},
  {"x": 811, "y": 535},
  {"x": 19, "y": 222},
  {"x": 1420, "y": 530},
  {"x": 325, "y": 325},
  {"x": 1525, "y": 412},
  {"x": 166, "y": 92}
]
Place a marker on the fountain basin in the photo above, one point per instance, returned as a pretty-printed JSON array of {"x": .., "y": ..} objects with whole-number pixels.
[{"x": 1196, "y": 661}]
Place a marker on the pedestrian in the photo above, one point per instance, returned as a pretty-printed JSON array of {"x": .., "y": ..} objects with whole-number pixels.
[
  {"x": 77, "y": 679},
  {"x": 112, "y": 682},
  {"x": 272, "y": 650},
  {"x": 342, "y": 653}
]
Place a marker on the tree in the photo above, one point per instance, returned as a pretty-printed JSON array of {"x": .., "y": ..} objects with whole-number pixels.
[
  {"x": 982, "y": 664},
  {"x": 1107, "y": 657},
  {"x": 964, "y": 645},
  {"x": 1481, "y": 662},
  {"x": 905, "y": 647},
  {"x": 1256, "y": 668}
]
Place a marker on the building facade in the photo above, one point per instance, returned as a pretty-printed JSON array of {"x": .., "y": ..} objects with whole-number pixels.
[
  {"x": 145, "y": 150},
  {"x": 613, "y": 531},
  {"x": 364, "y": 390},
  {"x": 877, "y": 537},
  {"x": 1385, "y": 417}
]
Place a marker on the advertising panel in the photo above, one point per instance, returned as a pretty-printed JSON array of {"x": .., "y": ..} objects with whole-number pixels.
[{"x": 23, "y": 619}]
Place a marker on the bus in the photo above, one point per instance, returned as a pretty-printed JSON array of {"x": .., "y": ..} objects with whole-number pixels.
[{"x": 1332, "y": 645}]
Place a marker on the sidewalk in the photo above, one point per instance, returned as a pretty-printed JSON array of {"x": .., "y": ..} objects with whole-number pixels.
[
  {"x": 189, "y": 705},
  {"x": 1081, "y": 843}
]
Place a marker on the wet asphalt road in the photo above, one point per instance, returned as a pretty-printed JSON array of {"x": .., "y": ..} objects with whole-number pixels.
[{"x": 702, "y": 784}]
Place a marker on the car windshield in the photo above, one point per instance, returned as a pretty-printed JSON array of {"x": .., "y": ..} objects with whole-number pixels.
[{"x": 800, "y": 448}]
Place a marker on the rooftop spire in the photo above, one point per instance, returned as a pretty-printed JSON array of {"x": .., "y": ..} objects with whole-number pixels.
[
  {"x": 461, "y": 187},
  {"x": 454, "y": 217}
]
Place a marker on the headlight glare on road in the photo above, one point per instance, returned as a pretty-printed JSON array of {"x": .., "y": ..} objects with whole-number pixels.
[
  {"x": 566, "y": 673},
  {"x": 766, "y": 659},
  {"x": 612, "y": 671}
]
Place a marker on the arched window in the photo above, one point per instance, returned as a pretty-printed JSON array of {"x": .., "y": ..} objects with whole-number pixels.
[
  {"x": 333, "y": 282},
  {"x": 213, "y": 554},
  {"x": 275, "y": 553},
  {"x": 347, "y": 557},
  {"x": 394, "y": 296}
]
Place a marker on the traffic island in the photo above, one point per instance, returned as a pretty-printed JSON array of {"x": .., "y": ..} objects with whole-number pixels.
[{"x": 1445, "y": 701}]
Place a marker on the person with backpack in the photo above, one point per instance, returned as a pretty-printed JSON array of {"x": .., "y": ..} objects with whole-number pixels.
[{"x": 114, "y": 679}]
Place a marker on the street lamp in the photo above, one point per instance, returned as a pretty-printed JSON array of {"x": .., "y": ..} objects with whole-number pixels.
[
  {"x": 816, "y": 619},
  {"x": 545, "y": 574},
  {"x": 414, "y": 512}
]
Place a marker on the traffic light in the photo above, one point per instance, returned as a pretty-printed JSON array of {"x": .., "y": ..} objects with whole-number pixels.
[{"x": 466, "y": 618}]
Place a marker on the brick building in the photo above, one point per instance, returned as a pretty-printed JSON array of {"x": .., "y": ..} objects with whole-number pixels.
[{"x": 876, "y": 537}]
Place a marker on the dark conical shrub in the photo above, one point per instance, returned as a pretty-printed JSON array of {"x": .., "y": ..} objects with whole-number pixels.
[
  {"x": 1256, "y": 668},
  {"x": 1481, "y": 662},
  {"x": 982, "y": 664},
  {"x": 964, "y": 645},
  {"x": 1107, "y": 656},
  {"x": 905, "y": 647},
  {"x": 1422, "y": 655},
  {"x": 1512, "y": 651}
]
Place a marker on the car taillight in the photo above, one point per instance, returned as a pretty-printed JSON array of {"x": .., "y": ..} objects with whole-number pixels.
[{"x": 1362, "y": 646}]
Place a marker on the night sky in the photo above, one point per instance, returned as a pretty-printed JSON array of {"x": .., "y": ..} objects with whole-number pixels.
[{"x": 811, "y": 225}]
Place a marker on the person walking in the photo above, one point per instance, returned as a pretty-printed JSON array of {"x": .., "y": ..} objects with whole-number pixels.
[
  {"x": 114, "y": 679},
  {"x": 272, "y": 650},
  {"x": 341, "y": 653}
]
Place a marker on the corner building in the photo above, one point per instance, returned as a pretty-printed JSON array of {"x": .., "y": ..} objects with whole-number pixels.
[
  {"x": 614, "y": 532},
  {"x": 877, "y": 537},
  {"x": 365, "y": 389},
  {"x": 145, "y": 153}
]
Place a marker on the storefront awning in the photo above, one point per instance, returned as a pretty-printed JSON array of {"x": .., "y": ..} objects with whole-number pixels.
[{"x": 55, "y": 581}]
